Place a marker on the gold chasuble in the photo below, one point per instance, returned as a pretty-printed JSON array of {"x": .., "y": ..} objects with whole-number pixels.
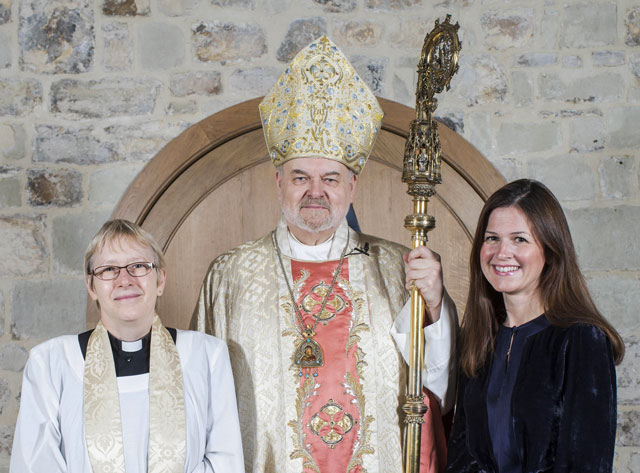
[{"x": 345, "y": 418}]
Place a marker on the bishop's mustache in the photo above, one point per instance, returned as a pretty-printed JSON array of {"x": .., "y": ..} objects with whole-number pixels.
[{"x": 315, "y": 201}]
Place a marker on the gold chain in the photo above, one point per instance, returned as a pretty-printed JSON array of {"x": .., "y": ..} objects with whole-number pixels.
[{"x": 293, "y": 299}]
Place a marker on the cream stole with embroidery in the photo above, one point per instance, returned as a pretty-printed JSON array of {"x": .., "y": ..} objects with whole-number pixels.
[{"x": 167, "y": 422}]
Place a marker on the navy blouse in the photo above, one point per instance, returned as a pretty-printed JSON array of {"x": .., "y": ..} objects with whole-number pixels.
[{"x": 504, "y": 369}]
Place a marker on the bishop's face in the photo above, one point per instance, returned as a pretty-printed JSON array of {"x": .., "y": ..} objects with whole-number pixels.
[{"x": 315, "y": 194}]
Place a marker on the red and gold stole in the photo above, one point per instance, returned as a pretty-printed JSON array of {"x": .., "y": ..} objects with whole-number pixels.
[{"x": 332, "y": 427}]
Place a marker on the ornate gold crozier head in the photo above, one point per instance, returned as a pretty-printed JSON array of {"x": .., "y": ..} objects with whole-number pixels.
[{"x": 321, "y": 107}]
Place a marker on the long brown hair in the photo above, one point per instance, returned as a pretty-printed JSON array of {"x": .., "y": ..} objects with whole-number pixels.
[{"x": 563, "y": 290}]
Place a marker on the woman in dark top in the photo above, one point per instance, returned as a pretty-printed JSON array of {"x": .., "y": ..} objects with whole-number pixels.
[{"x": 537, "y": 390}]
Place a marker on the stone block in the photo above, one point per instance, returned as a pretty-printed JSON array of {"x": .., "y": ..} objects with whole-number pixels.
[
  {"x": 54, "y": 187},
  {"x": 401, "y": 92},
  {"x": 586, "y": 134},
  {"x": 139, "y": 142},
  {"x": 107, "y": 186},
  {"x": 571, "y": 62},
  {"x": 525, "y": 138},
  {"x": 571, "y": 112},
  {"x": 632, "y": 27},
  {"x": 5, "y": 11},
  {"x": 10, "y": 187},
  {"x": 196, "y": 83},
  {"x": 589, "y": 24},
  {"x": 568, "y": 177},
  {"x": 619, "y": 177},
  {"x": 618, "y": 298},
  {"x": 234, "y": 3},
  {"x": 48, "y": 308},
  {"x": 255, "y": 81},
  {"x": 337, "y": 6},
  {"x": 5, "y": 47},
  {"x": 56, "y": 36},
  {"x": 223, "y": 41},
  {"x": 69, "y": 144},
  {"x": 161, "y": 46},
  {"x": 2, "y": 312},
  {"x": 6, "y": 441},
  {"x": 215, "y": 105},
  {"x": 23, "y": 251},
  {"x": 521, "y": 89},
  {"x": 635, "y": 65},
  {"x": 453, "y": 120},
  {"x": 590, "y": 227},
  {"x": 628, "y": 432},
  {"x": 603, "y": 87},
  {"x": 126, "y": 7},
  {"x": 358, "y": 33},
  {"x": 372, "y": 71},
  {"x": 507, "y": 28},
  {"x": 12, "y": 358},
  {"x": 547, "y": 34},
  {"x": 608, "y": 58},
  {"x": 622, "y": 125},
  {"x": 391, "y": 4},
  {"x": 481, "y": 80},
  {"x": 404, "y": 34},
  {"x": 118, "y": 51},
  {"x": 5, "y": 394},
  {"x": 19, "y": 97},
  {"x": 71, "y": 233},
  {"x": 479, "y": 132},
  {"x": 633, "y": 463},
  {"x": 12, "y": 141},
  {"x": 628, "y": 372},
  {"x": 300, "y": 34},
  {"x": 179, "y": 107},
  {"x": 104, "y": 98},
  {"x": 536, "y": 59},
  {"x": 510, "y": 168},
  {"x": 177, "y": 7}
]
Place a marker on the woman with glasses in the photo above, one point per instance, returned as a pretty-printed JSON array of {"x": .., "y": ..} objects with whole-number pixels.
[
  {"x": 131, "y": 395},
  {"x": 538, "y": 382}
]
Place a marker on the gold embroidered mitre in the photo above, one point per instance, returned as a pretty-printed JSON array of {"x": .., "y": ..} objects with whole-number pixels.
[{"x": 320, "y": 107}]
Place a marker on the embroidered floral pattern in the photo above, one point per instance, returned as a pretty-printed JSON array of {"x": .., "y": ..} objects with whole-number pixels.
[
  {"x": 313, "y": 301},
  {"x": 363, "y": 443},
  {"x": 299, "y": 451},
  {"x": 332, "y": 423}
]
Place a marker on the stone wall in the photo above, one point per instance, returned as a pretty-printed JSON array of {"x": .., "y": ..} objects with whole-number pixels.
[{"x": 90, "y": 90}]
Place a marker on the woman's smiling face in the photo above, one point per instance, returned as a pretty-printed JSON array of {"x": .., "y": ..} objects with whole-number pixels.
[{"x": 511, "y": 258}]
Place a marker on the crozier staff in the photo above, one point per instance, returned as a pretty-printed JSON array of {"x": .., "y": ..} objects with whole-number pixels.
[
  {"x": 310, "y": 311},
  {"x": 538, "y": 384},
  {"x": 130, "y": 395}
]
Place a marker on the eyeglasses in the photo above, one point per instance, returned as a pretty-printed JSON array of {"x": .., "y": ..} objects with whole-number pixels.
[{"x": 111, "y": 272}]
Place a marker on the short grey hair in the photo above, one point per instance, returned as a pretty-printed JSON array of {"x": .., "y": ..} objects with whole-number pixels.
[{"x": 119, "y": 229}]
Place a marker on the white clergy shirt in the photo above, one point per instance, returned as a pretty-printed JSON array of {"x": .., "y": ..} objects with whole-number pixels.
[{"x": 49, "y": 433}]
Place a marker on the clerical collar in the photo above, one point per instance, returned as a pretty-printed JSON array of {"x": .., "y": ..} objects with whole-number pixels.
[
  {"x": 292, "y": 248},
  {"x": 128, "y": 360},
  {"x": 309, "y": 252},
  {"x": 120, "y": 346}
]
